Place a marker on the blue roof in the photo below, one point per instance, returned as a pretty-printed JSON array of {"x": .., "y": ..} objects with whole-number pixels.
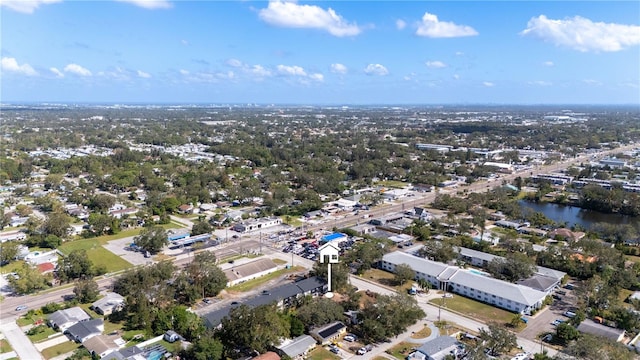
[{"x": 333, "y": 236}]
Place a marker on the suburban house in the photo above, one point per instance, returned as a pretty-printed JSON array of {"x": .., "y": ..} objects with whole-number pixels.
[
  {"x": 171, "y": 336},
  {"x": 469, "y": 283},
  {"x": 437, "y": 349},
  {"x": 591, "y": 327},
  {"x": 84, "y": 330},
  {"x": 108, "y": 304},
  {"x": 251, "y": 270},
  {"x": 296, "y": 348},
  {"x": 327, "y": 333},
  {"x": 62, "y": 319},
  {"x": 102, "y": 345}
]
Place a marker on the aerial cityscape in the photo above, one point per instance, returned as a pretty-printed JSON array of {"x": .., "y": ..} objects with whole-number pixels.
[{"x": 319, "y": 180}]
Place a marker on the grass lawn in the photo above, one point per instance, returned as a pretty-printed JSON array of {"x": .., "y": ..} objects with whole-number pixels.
[
  {"x": 279, "y": 261},
  {"x": 293, "y": 221},
  {"x": 320, "y": 353},
  {"x": 60, "y": 349},
  {"x": 393, "y": 184},
  {"x": 28, "y": 320},
  {"x": 474, "y": 309},
  {"x": 425, "y": 332},
  {"x": 624, "y": 294},
  {"x": 380, "y": 276},
  {"x": 11, "y": 267},
  {"x": 97, "y": 254},
  {"x": 5, "y": 347},
  {"x": 43, "y": 335},
  {"x": 402, "y": 350},
  {"x": 248, "y": 285},
  {"x": 633, "y": 258}
]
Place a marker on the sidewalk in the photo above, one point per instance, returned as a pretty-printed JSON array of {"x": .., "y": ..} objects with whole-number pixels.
[
  {"x": 20, "y": 343},
  {"x": 51, "y": 342}
]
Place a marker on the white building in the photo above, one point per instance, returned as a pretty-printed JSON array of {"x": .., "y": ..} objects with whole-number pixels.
[
  {"x": 257, "y": 224},
  {"x": 502, "y": 294}
]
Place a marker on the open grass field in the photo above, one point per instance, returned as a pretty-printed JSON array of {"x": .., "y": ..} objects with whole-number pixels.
[
  {"x": 474, "y": 309},
  {"x": 402, "y": 350},
  {"x": 253, "y": 283},
  {"x": 60, "y": 349},
  {"x": 98, "y": 254},
  {"x": 42, "y": 335},
  {"x": 393, "y": 184}
]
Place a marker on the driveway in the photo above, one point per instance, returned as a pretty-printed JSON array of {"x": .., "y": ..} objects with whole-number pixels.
[
  {"x": 118, "y": 247},
  {"x": 19, "y": 341}
]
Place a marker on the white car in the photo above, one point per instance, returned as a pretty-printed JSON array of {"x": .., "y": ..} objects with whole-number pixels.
[
  {"x": 362, "y": 351},
  {"x": 350, "y": 338},
  {"x": 522, "y": 356}
]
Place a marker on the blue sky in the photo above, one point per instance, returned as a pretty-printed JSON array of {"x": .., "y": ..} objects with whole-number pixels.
[{"x": 341, "y": 52}]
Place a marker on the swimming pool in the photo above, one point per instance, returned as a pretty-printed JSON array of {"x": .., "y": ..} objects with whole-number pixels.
[{"x": 478, "y": 272}]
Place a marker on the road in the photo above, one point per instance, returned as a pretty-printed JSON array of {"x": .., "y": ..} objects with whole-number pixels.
[{"x": 8, "y": 314}]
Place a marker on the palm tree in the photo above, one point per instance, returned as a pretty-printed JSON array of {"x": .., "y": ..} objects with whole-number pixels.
[{"x": 424, "y": 285}]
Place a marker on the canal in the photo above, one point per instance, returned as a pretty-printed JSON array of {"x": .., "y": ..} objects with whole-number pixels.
[{"x": 575, "y": 215}]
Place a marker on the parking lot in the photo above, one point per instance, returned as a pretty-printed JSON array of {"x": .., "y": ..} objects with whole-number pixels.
[{"x": 541, "y": 323}]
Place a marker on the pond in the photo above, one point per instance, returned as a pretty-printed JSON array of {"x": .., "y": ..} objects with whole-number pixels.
[{"x": 573, "y": 215}]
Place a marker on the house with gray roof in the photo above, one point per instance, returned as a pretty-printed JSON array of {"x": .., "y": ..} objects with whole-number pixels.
[
  {"x": 108, "y": 304},
  {"x": 593, "y": 328},
  {"x": 251, "y": 270},
  {"x": 437, "y": 349},
  {"x": 296, "y": 348},
  {"x": 85, "y": 330},
  {"x": 469, "y": 283},
  {"x": 63, "y": 319}
]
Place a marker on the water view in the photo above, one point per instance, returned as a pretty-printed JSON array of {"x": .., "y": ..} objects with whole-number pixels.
[{"x": 573, "y": 215}]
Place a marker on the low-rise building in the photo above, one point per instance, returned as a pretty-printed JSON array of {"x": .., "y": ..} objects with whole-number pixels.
[
  {"x": 257, "y": 224},
  {"x": 84, "y": 330},
  {"x": 437, "y": 349},
  {"x": 251, "y": 270},
  {"x": 327, "y": 333},
  {"x": 502, "y": 294},
  {"x": 296, "y": 348},
  {"x": 62, "y": 319},
  {"x": 108, "y": 304},
  {"x": 591, "y": 327}
]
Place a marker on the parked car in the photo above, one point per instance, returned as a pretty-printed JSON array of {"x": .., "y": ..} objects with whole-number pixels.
[
  {"x": 569, "y": 314},
  {"x": 21, "y": 307},
  {"x": 206, "y": 301},
  {"x": 334, "y": 349},
  {"x": 349, "y": 338},
  {"x": 362, "y": 351}
]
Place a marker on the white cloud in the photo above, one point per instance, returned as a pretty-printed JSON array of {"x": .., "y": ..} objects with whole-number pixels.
[
  {"x": 234, "y": 63},
  {"x": 435, "y": 64},
  {"x": 592, "y": 82},
  {"x": 150, "y": 4},
  {"x": 184, "y": 42},
  {"x": 56, "y": 72},
  {"x": 488, "y": 84},
  {"x": 316, "y": 77},
  {"x": 184, "y": 72},
  {"x": 376, "y": 69},
  {"x": 459, "y": 53},
  {"x": 582, "y": 34},
  {"x": 292, "y": 15},
  {"x": 338, "y": 68},
  {"x": 540, "y": 83},
  {"x": 259, "y": 71},
  {"x": 400, "y": 24},
  {"x": 456, "y": 76},
  {"x": 77, "y": 69},
  {"x": 434, "y": 28},
  {"x": 11, "y": 65},
  {"x": 548, "y": 63},
  {"x": 25, "y": 6},
  {"x": 291, "y": 70},
  {"x": 143, "y": 74}
]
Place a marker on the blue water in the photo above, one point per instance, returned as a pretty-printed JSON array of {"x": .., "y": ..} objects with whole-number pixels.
[{"x": 477, "y": 272}]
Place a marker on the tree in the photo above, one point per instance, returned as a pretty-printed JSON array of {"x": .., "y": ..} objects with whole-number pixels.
[
  {"x": 390, "y": 316},
  {"x": 339, "y": 274},
  {"x": 253, "y": 329},
  {"x": 590, "y": 347},
  {"x": 76, "y": 265},
  {"x": 207, "y": 277},
  {"x": 498, "y": 339},
  {"x": 424, "y": 284},
  {"x": 206, "y": 347},
  {"x": 403, "y": 273},
  {"x": 99, "y": 223},
  {"x": 438, "y": 251},
  {"x": 201, "y": 227},
  {"x": 102, "y": 202},
  {"x": 8, "y": 251},
  {"x": 152, "y": 239},
  {"x": 57, "y": 224},
  {"x": 566, "y": 332},
  {"x": 86, "y": 290},
  {"x": 319, "y": 311},
  {"x": 27, "y": 280}
]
